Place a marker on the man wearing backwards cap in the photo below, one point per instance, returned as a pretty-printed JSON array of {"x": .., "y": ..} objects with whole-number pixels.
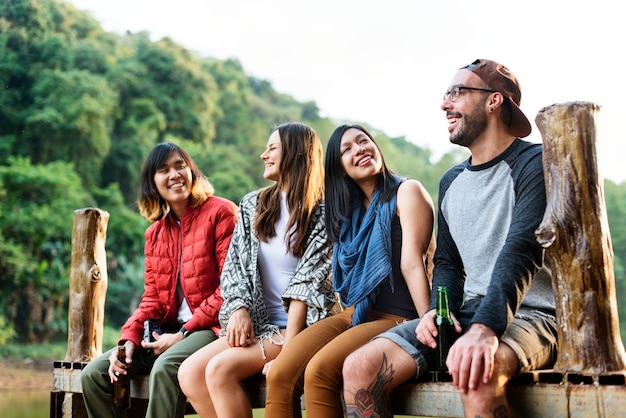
[{"x": 487, "y": 256}]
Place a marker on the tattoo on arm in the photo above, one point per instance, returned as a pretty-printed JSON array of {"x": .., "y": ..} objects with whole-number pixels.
[{"x": 374, "y": 400}]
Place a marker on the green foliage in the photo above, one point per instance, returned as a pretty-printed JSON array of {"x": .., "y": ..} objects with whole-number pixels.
[
  {"x": 143, "y": 125},
  {"x": 182, "y": 91},
  {"x": 37, "y": 225},
  {"x": 81, "y": 109},
  {"x": 124, "y": 288},
  {"x": 110, "y": 337},
  {"x": 89, "y": 56},
  {"x": 124, "y": 246},
  {"x": 49, "y": 352},
  {"x": 418, "y": 166},
  {"x": 35, "y": 212},
  {"x": 615, "y": 197},
  {"x": 69, "y": 121},
  {"x": 6, "y": 331},
  {"x": 41, "y": 352}
]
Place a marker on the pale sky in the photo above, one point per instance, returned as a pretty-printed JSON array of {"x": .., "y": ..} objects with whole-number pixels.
[{"x": 387, "y": 63}]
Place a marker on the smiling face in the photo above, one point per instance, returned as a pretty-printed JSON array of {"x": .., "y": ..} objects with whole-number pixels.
[
  {"x": 173, "y": 181},
  {"x": 271, "y": 157},
  {"x": 467, "y": 117},
  {"x": 360, "y": 157}
]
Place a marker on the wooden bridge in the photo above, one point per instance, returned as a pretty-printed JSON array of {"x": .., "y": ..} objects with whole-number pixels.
[{"x": 589, "y": 377}]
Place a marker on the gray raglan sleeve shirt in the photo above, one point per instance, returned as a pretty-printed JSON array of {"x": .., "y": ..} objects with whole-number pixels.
[{"x": 486, "y": 244}]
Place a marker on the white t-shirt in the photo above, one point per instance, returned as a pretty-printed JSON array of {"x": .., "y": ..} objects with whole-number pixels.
[
  {"x": 277, "y": 267},
  {"x": 184, "y": 311}
]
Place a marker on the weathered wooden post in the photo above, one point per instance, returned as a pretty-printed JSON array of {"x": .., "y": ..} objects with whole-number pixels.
[
  {"x": 575, "y": 233},
  {"x": 88, "y": 285}
]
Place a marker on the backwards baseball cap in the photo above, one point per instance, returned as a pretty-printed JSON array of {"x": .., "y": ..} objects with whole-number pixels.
[{"x": 500, "y": 79}]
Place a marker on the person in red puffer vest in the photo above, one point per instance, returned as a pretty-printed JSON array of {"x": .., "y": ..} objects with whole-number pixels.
[{"x": 184, "y": 253}]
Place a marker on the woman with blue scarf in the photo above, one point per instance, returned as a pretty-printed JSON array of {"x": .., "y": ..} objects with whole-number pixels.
[{"x": 381, "y": 226}]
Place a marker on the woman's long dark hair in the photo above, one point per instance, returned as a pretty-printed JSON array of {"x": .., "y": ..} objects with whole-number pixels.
[
  {"x": 301, "y": 177},
  {"x": 342, "y": 194},
  {"x": 151, "y": 205}
]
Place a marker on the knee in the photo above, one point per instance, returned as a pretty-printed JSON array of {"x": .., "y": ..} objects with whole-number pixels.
[
  {"x": 323, "y": 371},
  {"x": 285, "y": 382},
  {"x": 276, "y": 376},
  {"x": 92, "y": 373},
  {"x": 86, "y": 378},
  {"x": 88, "y": 371},
  {"x": 164, "y": 369},
  {"x": 158, "y": 366},
  {"x": 216, "y": 373},
  {"x": 486, "y": 392},
  {"x": 281, "y": 371},
  {"x": 313, "y": 370},
  {"x": 214, "y": 368},
  {"x": 349, "y": 364},
  {"x": 483, "y": 394},
  {"x": 359, "y": 367},
  {"x": 189, "y": 378}
]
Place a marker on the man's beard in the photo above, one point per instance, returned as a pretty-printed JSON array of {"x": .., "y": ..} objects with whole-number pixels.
[{"x": 471, "y": 127}]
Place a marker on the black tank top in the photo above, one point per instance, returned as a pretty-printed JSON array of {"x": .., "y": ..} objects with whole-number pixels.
[{"x": 396, "y": 302}]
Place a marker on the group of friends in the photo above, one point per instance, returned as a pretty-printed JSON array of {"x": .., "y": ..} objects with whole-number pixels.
[{"x": 252, "y": 289}]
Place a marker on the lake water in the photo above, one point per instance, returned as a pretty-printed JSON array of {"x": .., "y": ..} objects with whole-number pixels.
[
  {"x": 25, "y": 404},
  {"x": 36, "y": 404}
]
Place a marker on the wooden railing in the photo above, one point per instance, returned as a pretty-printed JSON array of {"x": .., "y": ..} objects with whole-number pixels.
[{"x": 588, "y": 379}]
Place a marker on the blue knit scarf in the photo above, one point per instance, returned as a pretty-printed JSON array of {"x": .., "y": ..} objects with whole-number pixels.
[{"x": 362, "y": 256}]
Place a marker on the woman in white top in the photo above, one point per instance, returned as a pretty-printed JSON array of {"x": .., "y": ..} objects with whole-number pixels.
[{"x": 276, "y": 277}]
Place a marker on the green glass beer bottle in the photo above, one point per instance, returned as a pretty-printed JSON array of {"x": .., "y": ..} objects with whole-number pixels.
[
  {"x": 446, "y": 334},
  {"x": 121, "y": 388}
]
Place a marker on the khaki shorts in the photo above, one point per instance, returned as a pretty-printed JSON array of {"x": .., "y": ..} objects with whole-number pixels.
[{"x": 532, "y": 335}]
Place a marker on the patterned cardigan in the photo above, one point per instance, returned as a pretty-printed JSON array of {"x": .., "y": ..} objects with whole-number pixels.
[{"x": 241, "y": 279}]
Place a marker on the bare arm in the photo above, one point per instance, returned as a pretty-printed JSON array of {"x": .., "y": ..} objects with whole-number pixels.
[
  {"x": 296, "y": 322},
  {"x": 416, "y": 212},
  {"x": 296, "y": 319}
]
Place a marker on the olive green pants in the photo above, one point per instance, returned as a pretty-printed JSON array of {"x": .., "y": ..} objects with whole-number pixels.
[{"x": 166, "y": 398}]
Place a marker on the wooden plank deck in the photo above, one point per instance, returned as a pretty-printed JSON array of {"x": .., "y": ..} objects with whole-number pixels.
[{"x": 544, "y": 394}]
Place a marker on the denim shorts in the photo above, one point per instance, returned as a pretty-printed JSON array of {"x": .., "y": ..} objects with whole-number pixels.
[{"x": 532, "y": 335}]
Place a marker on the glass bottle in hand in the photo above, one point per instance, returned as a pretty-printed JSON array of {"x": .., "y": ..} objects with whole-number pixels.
[
  {"x": 446, "y": 334},
  {"x": 121, "y": 388}
]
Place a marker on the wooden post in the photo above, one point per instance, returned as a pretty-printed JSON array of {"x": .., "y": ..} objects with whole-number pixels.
[
  {"x": 88, "y": 285},
  {"x": 575, "y": 233}
]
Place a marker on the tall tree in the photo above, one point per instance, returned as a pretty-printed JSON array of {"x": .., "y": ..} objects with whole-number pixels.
[
  {"x": 69, "y": 119},
  {"x": 36, "y": 223}
]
